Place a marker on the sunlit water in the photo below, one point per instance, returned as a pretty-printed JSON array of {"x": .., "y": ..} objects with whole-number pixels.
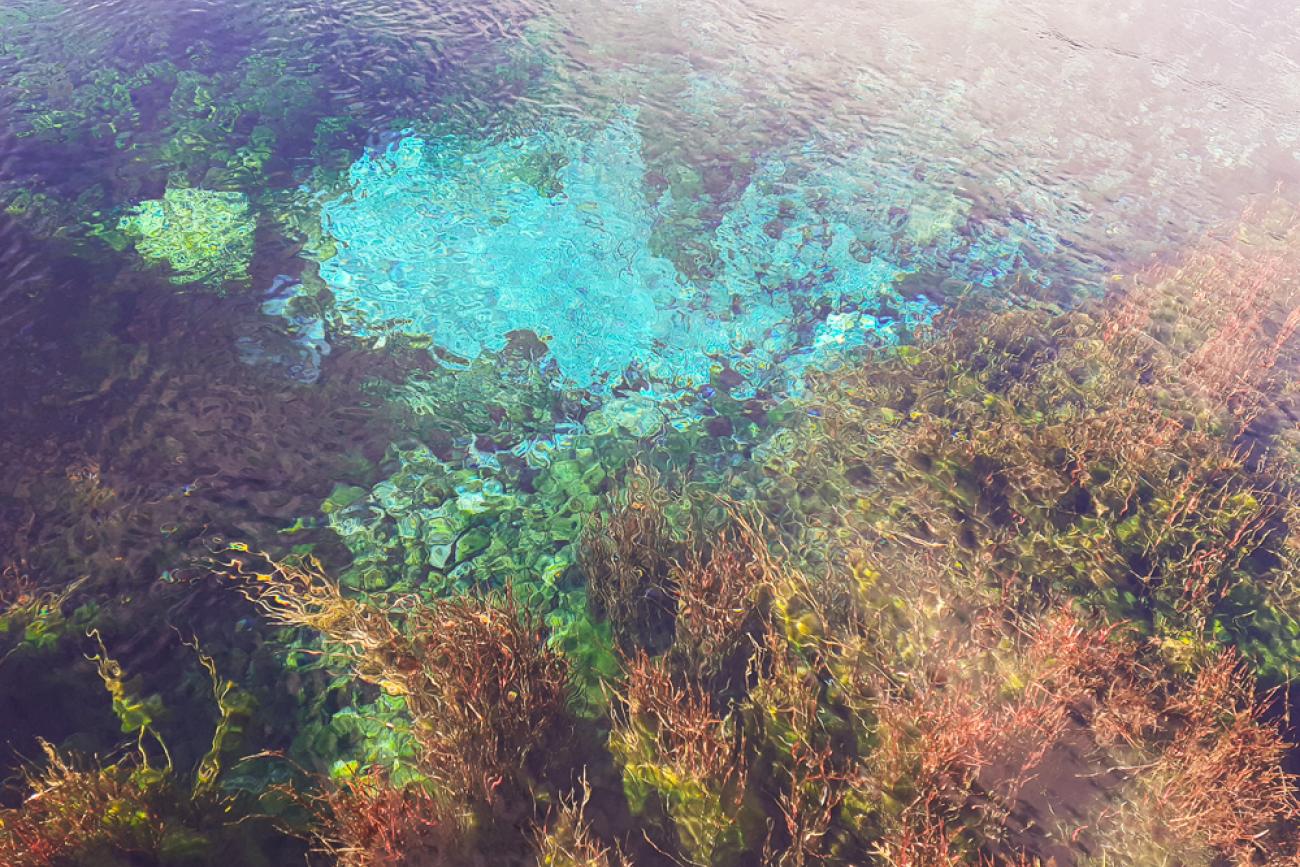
[{"x": 218, "y": 219}]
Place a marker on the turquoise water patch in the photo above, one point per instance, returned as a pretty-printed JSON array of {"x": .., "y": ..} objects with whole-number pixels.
[
  {"x": 470, "y": 242},
  {"x": 467, "y": 241}
]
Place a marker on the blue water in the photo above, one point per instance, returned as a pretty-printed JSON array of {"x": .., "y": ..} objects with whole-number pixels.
[
  {"x": 653, "y": 191},
  {"x": 459, "y": 242}
]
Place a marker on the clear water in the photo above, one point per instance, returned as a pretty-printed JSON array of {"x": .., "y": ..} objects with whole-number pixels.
[{"x": 379, "y": 279}]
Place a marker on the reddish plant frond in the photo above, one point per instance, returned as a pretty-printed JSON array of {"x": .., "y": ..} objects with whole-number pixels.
[
  {"x": 812, "y": 779},
  {"x": 486, "y": 691},
  {"x": 483, "y": 686},
  {"x": 367, "y": 822},
  {"x": 677, "y": 723},
  {"x": 627, "y": 555},
  {"x": 72, "y": 808},
  {"x": 1220, "y": 781},
  {"x": 566, "y": 840},
  {"x": 722, "y": 589}
]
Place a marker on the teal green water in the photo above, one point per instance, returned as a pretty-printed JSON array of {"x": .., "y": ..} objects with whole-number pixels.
[{"x": 555, "y": 234}]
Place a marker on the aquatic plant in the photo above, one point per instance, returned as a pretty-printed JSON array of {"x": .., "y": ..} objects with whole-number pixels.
[
  {"x": 135, "y": 712},
  {"x": 439, "y": 527},
  {"x": 722, "y": 587},
  {"x": 950, "y": 756},
  {"x": 936, "y": 719},
  {"x": 72, "y": 811},
  {"x": 627, "y": 555},
  {"x": 673, "y": 748},
  {"x": 1216, "y": 789},
  {"x": 366, "y": 821},
  {"x": 439, "y": 531},
  {"x": 749, "y": 724},
  {"x": 204, "y": 236},
  {"x": 88, "y": 812},
  {"x": 1069, "y": 452},
  {"x": 804, "y": 757},
  {"x": 482, "y": 687},
  {"x": 1225, "y": 314},
  {"x": 37, "y": 619},
  {"x": 500, "y": 693},
  {"x": 961, "y": 724},
  {"x": 565, "y": 840}
]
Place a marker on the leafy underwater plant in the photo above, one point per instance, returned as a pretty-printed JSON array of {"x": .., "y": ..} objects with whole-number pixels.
[
  {"x": 1075, "y": 452},
  {"x": 204, "y": 236},
  {"x": 723, "y": 586},
  {"x": 131, "y": 811},
  {"x": 36, "y": 619},
  {"x": 484, "y": 690},
  {"x": 366, "y": 821},
  {"x": 565, "y": 840},
  {"x": 672, "y": 746},
  {"x": 1216, "y": 788},
  {"x": 627, "y": 555}
]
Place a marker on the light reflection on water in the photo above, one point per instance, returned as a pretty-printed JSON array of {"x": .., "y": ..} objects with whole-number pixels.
[{"x": 1028, "y": 150}]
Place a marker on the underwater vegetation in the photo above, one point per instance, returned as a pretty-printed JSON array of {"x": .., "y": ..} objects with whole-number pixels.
[
  {"x": 1015, "y": 591},
  {"x": 615, "y": 511},
  {"x": 1021, "y": 591},
  {"x": 1120, "y": 455},
  {"x": 204, "y": 236},
  {"x": 476, "y": 674},
  {"x": 139, "y": 807}
]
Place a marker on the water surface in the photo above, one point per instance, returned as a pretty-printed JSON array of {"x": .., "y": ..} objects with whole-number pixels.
[{"x": 401, "y": 283}]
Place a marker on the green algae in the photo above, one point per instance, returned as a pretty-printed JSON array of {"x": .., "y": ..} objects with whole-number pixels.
[
  {"x": 204, "y": 236},
  {"x": 443, "y": 529},
  {"x": 509, "y": 474},
  {"x": 986, "y": 466}
]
